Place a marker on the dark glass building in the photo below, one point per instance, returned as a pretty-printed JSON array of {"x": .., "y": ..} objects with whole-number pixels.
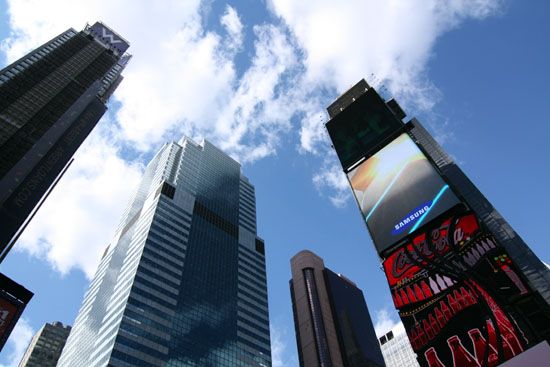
[
  {"x": 46, "y": 346},
  {"x": 183, "y": 282},
  {"x": 50, "y": 100},
  {"x": 467, "y": 288},
  {"x": 532, "y": 267},
  {"x": 332, "y": 321}
]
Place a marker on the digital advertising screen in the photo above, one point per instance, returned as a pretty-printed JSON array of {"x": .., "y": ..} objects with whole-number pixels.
[
  {"x": 361, "y": 127},
  {"x": 454, "y": 285},
  {"x": 398, "y": 190}
]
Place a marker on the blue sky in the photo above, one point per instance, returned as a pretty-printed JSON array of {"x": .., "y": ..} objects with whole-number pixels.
[{"x": 254, "y": 78}]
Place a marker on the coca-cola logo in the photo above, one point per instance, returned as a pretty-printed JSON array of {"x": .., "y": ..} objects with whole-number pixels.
[{"x": 408, "y": 257}]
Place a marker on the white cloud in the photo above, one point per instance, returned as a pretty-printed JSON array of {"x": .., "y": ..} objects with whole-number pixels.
[
  {"x": 18, "y": 341},
  {"x": 234, "y": 27},
  {"x": 332, "y": 180},
  {"x": 385, "y": 322},
  {"x": 183, "y": 80},
  {"x": 280, "y": 354},
  {"x": 79, "y": 218},
  {"x": 387, "y": 42}
]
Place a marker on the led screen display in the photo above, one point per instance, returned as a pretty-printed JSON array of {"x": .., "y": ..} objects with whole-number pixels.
[
  {"x": 361, "y": 127},
  {"x": 455, "y": 288},
  {"x": 398, "y": 190}
]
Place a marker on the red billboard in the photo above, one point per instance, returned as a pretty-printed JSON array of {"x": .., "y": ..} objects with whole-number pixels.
[
  {"x": 453, "y": 286},
  {"x": 13, "y": 299}
]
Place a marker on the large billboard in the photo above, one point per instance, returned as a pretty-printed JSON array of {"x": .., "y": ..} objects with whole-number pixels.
[
  {"x": 398, "y": 190},
  {"x": 361, "y": 127},
  {"x": 454, "y": 287}
]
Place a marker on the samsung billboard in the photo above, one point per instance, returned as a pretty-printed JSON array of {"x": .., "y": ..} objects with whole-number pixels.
[{"x": 398, "y": 190}]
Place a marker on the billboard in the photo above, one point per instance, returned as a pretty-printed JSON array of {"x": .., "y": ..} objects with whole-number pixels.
[
  {"x": 105, "y": 34},
  {"x": 398, "y": 190},
  {"x": 361, "y": 127},
  {"x": 13, "y": 299},
  {"x": 453, "y": 286}
]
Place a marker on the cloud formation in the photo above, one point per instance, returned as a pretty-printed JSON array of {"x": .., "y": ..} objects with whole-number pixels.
[
  {"x": 183, "y": 79},
  {"x": 18, "y": 342},
  {"x": 384, "y": 323},
  {"x": 281, "y": 356},
  {"x": 387, "y": 42}
]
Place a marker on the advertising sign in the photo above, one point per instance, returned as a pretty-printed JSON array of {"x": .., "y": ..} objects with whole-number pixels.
[
  {"x": 361, "y": 127},
  {"x": 104, "y": 33},
  {"x": 398, "y": 190},
  {"x": 453, "y": 286},
  {"x": 13, "y": 299}
]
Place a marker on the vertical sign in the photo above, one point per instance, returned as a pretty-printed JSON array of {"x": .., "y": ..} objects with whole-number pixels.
[{"x": 13, "y": 299}]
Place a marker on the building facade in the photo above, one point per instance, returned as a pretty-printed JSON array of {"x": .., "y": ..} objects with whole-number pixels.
[
  {"x": 531, "y": 266},
  {"x": 396, "y": 349},
  {"x": 469, "y": 291},
  {"x": 331, "y": 318},
  {"x": 183, "y": 283},
  {"x": 50, "y": 100},
  {"x": 46, "y": 346}
]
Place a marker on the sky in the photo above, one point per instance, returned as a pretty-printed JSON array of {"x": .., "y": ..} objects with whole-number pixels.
[{"x": 255, "y": 78}]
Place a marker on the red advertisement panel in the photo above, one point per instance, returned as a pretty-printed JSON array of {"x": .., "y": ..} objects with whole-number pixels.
[{"x": 452, "y": 286}]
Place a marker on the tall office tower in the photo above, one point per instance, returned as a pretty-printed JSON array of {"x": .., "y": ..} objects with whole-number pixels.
[
  {"x": 183, "y": 282},
  {"x": 46, "y": 346},
  {"x": 468, "y": 289},
  {"x": 332, "y": 321},
  {"x": 396, "y": 349},
  {"x": 50, "y": 100},
  {"x": 532, "y": 267}
]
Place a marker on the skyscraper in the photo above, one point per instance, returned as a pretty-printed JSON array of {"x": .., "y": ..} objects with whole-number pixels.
[
  {"x": 46, "y": 346},
  {"x": 183, "y": 282},
  {"x": 532, "y": 267},
  {"x": 468, "y": 289},
  {"x": 332, "y": 321},
  {"x": 396, "y": 349},
  {"x": 50, "y": 100}
]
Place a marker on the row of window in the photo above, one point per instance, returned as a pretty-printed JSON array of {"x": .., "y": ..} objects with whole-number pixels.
[
  {"x": 253, "y": 297},
  {"x": 22, "y": 65},
  {"x": 252, "y": 255}
]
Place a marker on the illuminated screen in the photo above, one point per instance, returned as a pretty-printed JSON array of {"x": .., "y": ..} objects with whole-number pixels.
[
  {"x": 455, "y": 288},
  {"x": 398, "y": 190},
  {"x": 361, "y": 126}
]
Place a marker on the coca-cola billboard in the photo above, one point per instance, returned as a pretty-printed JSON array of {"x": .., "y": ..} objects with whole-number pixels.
[{"x": 454, "y": 287}]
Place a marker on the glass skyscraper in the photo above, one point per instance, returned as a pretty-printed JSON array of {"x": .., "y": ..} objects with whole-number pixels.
[
  {"x": 459, "y": 274},
  {"x": 183, "y": 282},
  {"x": 50, "y": 100}
]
